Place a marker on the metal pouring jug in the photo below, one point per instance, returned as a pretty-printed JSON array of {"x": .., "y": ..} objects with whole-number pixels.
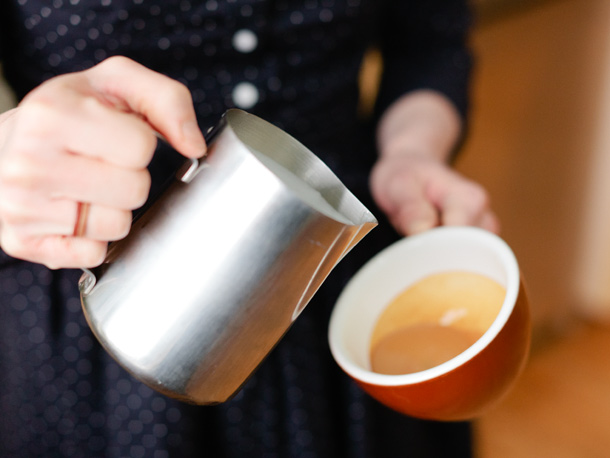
[{"x": 213, "y": 274}]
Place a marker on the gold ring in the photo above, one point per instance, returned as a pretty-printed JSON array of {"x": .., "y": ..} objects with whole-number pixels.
[{"x": 82, "y": 213}]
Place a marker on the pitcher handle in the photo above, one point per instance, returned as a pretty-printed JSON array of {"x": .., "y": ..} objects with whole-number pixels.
[
  {"x": 193, "y": 166},
  {"x": 189, "y": 170},
  {"x": 87, "y": 281}
]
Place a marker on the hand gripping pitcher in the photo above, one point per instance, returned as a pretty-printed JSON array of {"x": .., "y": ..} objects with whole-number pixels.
[{"x": 213, "y": 274}]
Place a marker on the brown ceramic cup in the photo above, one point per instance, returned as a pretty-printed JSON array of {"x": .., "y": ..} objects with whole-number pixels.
[{"x": 465, "y": 386}]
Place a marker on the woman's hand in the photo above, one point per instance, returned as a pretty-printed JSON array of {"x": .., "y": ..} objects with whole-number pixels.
[
  {"x": 418, "y": 192},
  {"x": 412, "y": 182},
  {"x": 86, "y": 137}
]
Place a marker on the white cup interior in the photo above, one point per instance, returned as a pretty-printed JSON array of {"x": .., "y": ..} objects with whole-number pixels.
[{"x": 398, "y": 266}]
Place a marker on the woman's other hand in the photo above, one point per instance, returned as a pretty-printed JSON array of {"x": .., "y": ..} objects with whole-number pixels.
[
  {"x": 418, "y": 192},
  {"x": 412, "y": 181}
]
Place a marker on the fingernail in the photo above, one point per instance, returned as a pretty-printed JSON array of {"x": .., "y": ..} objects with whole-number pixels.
[{"x": 193, "y": 136}]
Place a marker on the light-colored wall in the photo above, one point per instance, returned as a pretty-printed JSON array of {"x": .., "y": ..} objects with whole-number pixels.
[{"x": 540, "y": 142}]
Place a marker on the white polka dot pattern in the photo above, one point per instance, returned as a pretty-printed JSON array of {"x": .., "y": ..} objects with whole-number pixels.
[
  {"x": 245, "y": 40},
  {"x": 245, "y": 95}
]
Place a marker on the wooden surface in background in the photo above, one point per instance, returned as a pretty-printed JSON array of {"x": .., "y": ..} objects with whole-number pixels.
[{"x": 560, "y": 406}]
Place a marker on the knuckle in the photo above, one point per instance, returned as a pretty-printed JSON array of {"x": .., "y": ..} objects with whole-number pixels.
[
  {"x": 14, "y": 209},
  {"x": 178, "y": 90},
  {"x": 39, "y": 117},
  {"x": 141, "y": 148},
  {"x": 8, "y": 246},
  {"x": 89, "y": 104},
  {"x": 481, "y": 199},
  {"x": 138, "y": 189},
  {"x": 476, "y": 195},
  {"x": 20, "y": 172},
  {"x": 39, "y": 98},
  {"x": 89, "y": 254},
  {"x": 37, "y": 107},
  {"x": 52, "y": 264},
  {"x": 118, "y": 226},
  {"x": 12, "y": 215},
  {"x": 174, "y": 93},
  {"x": 94, "y": 255},
  {"x": 114, "y": 63},
  {"x": 14, "y": 247}
]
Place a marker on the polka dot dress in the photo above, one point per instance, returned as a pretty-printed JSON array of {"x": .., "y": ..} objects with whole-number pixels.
[{"x": 294, "y": 63}]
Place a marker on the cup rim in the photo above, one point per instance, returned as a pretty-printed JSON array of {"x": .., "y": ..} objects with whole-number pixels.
[{"x": 460, "y": 232}]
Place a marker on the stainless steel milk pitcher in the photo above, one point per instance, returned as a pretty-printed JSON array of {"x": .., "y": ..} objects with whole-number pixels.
[{"x": 213, "y": 274}]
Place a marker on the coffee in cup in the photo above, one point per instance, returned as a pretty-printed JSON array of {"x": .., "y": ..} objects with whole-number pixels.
[{"x": 434, "y": 320}]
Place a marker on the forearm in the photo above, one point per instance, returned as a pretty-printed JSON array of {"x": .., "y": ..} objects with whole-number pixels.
[
  {"x": 412, "y": 181},
  {"x": 422, "y": 122}
]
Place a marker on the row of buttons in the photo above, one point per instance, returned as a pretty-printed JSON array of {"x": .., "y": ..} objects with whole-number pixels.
[{"x": 245, "y": 95}]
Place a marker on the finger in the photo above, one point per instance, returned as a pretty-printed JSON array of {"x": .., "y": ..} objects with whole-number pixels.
[
  {"x": 60, "y": 218},
  {"x": 107, "y": 224},
  {"x": 165, "y": 103},
  {"x": 411, "y": 224},
  {"x": 413, "y": 213},
  {"x": 489, "y": 221},
  {"x": 65, "y": 116},
  {"x": 464, "y": 205},
  {"x": 83, "y": 180},
  {"x": 29, "y": 180},
  {"x": 54, "y": 251},
  {"x": 118, "y": 138}
]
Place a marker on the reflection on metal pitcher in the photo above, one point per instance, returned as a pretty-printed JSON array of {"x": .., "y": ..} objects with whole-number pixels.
[{"x": 213, "y": 274}]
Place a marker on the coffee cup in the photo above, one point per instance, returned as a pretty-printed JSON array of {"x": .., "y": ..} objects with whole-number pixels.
[{"x": 463, "y": 386}]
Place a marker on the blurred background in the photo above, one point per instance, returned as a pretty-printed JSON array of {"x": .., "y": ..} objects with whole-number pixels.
[{"x": 539, "y": 141}]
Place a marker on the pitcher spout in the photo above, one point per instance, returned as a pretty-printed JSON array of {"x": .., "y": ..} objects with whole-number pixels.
[
  {"x": 361, "y": 220},
  {"x": 360, "y": 232}
]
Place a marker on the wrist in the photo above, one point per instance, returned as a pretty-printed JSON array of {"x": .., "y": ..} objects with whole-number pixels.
[
  {"x": 423, "y": 122},
  {"x": 411, "y": 146}
]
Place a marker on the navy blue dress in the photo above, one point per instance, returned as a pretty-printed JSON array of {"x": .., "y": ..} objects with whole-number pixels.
[{"x": 294, "y": 63}]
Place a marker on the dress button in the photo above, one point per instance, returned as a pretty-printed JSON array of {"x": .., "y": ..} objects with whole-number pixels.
[
  {"x": 245, "y": 41},
  {"x": 245, "y": 95}
]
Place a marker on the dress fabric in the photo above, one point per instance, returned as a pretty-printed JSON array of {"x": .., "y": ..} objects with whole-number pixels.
[{"x": 295, "y": 63}]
